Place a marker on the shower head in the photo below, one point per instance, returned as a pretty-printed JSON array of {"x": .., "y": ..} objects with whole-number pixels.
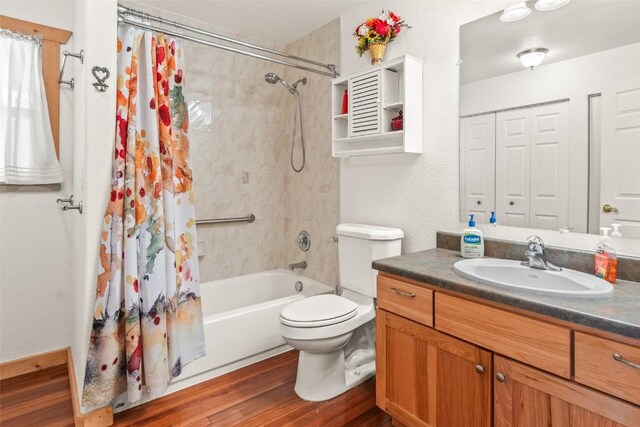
[{"x": 273, "y": 78}]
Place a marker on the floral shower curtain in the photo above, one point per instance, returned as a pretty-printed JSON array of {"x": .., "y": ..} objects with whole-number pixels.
[{"x": 147, "y": 322}]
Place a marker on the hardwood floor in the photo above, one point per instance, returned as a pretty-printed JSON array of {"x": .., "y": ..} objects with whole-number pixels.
[
  {"x": 258, "y": 395},
  {"x": 40, "y": 398}
]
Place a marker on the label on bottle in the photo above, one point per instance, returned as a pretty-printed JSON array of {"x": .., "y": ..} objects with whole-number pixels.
[
  {"x": 601, "y": 263},
  {"x": 472, "y": 239},
  {"x": 472, "y": 246}
]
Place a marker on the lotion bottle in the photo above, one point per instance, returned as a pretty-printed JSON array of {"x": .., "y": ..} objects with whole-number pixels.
[{"x": 472, "y": 241}]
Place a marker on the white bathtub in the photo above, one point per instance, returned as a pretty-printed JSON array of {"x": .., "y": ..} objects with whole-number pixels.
[
  {"x": 241, "y": 323},
  {"x": 241, "y": 319}
]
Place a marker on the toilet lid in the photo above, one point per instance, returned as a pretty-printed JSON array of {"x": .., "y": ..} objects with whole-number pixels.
[{"x": 319, "y": 310}]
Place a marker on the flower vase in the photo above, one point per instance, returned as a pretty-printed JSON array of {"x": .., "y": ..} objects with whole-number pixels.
[{"x": 377, "y": 52}]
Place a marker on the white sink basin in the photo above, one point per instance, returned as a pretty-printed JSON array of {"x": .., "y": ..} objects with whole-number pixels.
[{"x": 512, "y": 275}]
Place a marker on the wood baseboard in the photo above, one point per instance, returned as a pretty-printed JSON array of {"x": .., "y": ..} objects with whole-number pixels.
[
  {"x": 101, "y": 417},
  {"x": 32, "y": 363}
]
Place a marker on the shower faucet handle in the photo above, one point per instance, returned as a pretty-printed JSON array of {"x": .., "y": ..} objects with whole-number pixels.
[{"x": 303, "y": 241}]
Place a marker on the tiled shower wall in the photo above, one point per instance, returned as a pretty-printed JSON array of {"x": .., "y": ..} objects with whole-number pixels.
[
  {"x": 311, "y": 196},
  {"x": 236, "y": 129},
  {"x": 240, "y": 139}
]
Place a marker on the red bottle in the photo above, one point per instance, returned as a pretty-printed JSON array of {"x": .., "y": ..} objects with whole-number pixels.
[
  {"x": 345, "y": 102},
  {"x": 397, "y": 122}
]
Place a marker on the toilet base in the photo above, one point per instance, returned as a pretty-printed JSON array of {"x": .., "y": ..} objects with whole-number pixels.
[{"x": 323, "y": 376}]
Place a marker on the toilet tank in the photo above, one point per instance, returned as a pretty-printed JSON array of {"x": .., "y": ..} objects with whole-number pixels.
[{"x": 358, "y": 246}]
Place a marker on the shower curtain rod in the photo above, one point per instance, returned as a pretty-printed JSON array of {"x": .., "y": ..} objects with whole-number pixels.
[{"x": 124, "y": 14}]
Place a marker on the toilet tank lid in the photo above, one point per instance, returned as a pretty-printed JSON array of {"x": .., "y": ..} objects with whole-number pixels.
[{"x": 369, "y": 232}]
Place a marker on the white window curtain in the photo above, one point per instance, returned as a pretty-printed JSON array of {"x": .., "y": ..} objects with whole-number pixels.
[{"x": 27, "y": 152}]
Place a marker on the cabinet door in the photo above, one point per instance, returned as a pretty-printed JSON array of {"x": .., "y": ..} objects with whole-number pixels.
[
  {"x": 365, "y": 106},
  {"x": 524, "y": 396},
  {"x": 427, "y": 378},
  {"x": 478, "y": 166}
]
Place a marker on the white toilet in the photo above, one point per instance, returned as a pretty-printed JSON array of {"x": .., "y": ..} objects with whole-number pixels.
[{"x": 336, "y": 334}]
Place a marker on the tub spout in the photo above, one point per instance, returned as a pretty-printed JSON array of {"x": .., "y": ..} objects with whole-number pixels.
[{"x": 302, "y": 264}]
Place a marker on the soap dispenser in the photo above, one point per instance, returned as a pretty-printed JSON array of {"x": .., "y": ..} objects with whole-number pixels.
[
  {"x": 493, "y": 220},
  {"x": 616, "y": 230},
  {"x": 472, "y": 241},
  {"x": 606, "y": 259}
]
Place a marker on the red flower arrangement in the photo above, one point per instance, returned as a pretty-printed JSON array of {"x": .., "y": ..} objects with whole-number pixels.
[{"x": 380, "y": 30}]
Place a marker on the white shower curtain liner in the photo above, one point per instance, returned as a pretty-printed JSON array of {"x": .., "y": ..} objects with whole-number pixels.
[{"x": 27, "y": 152}]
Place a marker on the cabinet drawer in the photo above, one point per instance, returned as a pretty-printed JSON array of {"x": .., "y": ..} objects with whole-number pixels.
[
  {"x": 596, "y": 366},
  {"x": 531, "y": 341},
  {"x": 407, "y": 300}
]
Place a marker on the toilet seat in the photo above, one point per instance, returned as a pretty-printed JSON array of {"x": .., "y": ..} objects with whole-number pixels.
[{"x": 318, "y": 311}]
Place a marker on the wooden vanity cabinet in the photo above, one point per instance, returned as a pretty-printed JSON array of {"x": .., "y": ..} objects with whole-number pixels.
[
  {"x": 427, "y": 378},
  {"x": 445, "y": 361},
  {"x": 525, "y": 396}
]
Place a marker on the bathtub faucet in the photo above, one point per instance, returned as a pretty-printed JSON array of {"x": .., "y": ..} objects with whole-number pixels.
[{"x": 302, "y": 264}]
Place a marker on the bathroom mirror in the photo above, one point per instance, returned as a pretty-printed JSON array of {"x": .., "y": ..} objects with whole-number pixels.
[{"x": 550, "y": 116}]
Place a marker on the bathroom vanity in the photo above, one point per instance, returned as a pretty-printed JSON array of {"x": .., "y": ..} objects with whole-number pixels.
[{"x": 454, "y": 352}]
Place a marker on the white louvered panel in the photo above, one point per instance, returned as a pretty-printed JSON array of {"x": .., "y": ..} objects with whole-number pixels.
[{"x": 365, "y": 105}]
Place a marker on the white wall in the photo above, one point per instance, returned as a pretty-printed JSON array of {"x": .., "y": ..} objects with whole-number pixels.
[
  {"x": 35, "y": 236},
  {"x": 575, "y": 79},
  {"x": 96, "y": 22},
  {"x": 418, "y": 193}
]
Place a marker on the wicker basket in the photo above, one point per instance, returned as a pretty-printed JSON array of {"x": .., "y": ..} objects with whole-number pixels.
[{"x": 377, "y": 52}]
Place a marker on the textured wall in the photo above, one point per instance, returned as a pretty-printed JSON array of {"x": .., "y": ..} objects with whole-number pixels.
[
  {"x": 311, "y": 196},
  {"x": 35, "y": 236},
  {"x": 418, "y": 193},
  {"x": 94, "y": 28}
]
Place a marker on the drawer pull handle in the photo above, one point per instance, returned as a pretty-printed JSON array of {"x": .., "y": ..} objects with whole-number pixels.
[
  {"x": 404, "y": 293},
  {"x": 480, "y": 369},
  {"x": 500, "y": 377},
  {"x": 618, "y": 357}
]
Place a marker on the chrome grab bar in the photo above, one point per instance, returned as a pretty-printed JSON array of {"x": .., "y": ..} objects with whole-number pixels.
[
  {"x": 249, "y": 218},
  {"x": 404, "y": 293}
]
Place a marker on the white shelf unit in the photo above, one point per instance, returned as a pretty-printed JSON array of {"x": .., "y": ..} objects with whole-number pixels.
[{"x": 376, "y": 95}]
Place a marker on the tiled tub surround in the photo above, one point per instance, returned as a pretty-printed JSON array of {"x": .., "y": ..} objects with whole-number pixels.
[
  {"x": 311, "y": 196},
  {"x": 240, "y": 134},
  {"x": 618, "y": 314}
]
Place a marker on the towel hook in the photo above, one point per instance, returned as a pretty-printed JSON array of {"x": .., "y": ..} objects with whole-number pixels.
[
  {"x": 66, "y": 54},
  {"x": 69, "y": 204}
]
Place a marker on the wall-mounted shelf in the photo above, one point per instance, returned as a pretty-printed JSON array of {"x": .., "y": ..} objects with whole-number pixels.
[{"x": 376, "y": 95}]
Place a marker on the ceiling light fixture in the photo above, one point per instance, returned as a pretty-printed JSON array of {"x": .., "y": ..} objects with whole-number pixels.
[
  {"x": 532, "y": 57},
  {"x": 547, "y": 5},
  {"x": 515, "y": 13}
]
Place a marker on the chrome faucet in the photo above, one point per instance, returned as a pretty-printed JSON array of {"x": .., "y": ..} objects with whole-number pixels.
[
  {"x": 536, "y": 257},
  {"x": 301, "y": 264}
]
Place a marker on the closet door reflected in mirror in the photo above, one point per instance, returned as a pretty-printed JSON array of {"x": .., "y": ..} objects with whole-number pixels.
[
  {"x": 477, "y": 163},
  {"x": 565, "y": 132}
]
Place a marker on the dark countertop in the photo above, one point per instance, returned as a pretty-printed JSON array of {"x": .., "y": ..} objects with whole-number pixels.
[{"x": 619, "y": 314}]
